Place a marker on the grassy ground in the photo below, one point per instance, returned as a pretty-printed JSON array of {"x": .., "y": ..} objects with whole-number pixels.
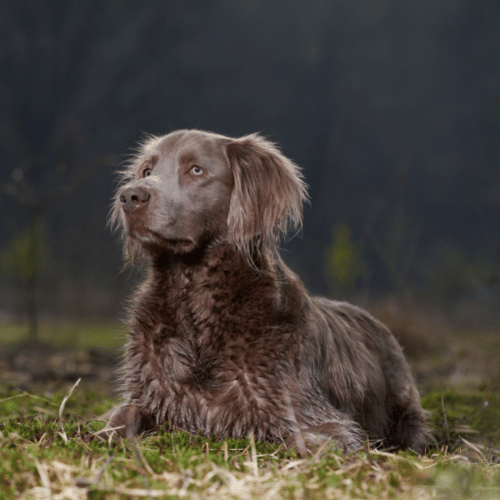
[
  {"x": 50, "y": 446},
  {"x": 104, "y": 337}
]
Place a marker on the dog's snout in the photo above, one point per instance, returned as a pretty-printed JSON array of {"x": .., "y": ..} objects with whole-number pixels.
[{"x": 133, "y": 198}]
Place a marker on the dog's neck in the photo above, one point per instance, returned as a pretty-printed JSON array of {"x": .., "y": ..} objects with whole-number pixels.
[
  {"x": 190, "y": 295},
  {"x": 207, "y": 261},
  {"x": 220, "y": 275}
]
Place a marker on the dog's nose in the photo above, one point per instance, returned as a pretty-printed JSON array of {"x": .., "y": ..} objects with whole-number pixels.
[{"x": 133, "y": 198}]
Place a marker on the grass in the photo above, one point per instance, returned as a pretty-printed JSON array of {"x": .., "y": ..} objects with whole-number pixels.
[
  {"x": 43, "y": 456},
  {"x": 50, "y": 447},
  {"x": 104, "y": 337}
]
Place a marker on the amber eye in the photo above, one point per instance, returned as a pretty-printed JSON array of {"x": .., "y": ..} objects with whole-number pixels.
[
  {"x": 196, "y": 170},
  {"x": 147, "y": 172}
]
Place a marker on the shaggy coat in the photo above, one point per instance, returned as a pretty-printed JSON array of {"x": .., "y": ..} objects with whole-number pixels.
[{"x": 224, "y": 339}]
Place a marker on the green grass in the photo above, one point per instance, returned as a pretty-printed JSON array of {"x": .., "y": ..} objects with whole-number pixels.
[
  {"x": 105, "y": 337},
  {"x": 473, "y": 415},
  {"x": 43, "y": 455}
]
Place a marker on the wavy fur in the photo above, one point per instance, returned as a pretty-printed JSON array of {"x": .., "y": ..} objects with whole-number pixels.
[{"x": 223, "y": 336}]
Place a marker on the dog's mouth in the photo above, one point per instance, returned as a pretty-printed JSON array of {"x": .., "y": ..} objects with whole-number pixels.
[{"x": 155, "y": 240}]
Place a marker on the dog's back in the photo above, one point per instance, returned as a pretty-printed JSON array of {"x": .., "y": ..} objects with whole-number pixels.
[{"x": 376, "y": 386}]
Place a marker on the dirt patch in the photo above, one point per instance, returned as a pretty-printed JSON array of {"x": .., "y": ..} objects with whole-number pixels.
[{"x": 42, "y": 366}]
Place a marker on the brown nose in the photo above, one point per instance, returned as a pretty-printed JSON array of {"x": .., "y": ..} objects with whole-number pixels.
[{"x": 133, "y": 198}]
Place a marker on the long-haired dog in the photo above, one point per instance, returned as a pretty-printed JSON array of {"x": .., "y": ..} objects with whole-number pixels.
[{"x": 224, "y": 339}]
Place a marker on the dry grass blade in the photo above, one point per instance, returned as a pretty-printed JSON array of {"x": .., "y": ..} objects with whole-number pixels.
[
  {"x": 474, "y": 447},
  {"x": 140, "y": 459},
  {"x": 62, "y": 432},
  {"x": 255, "y": 466},
  {"x": 84, "y": 482},
  {"x": 139, "y": 492},
  {"x": 396, "y": 457},
  {"x": 27, "y": 394},
  {"x": 108, "y": 430},
  {"x": 42, "y": 472},
  {"x": 63, "y": 403},
  {"x": 293, "y": 464},
  {"x": 445, "y": 418},
  {"x": 321, "y": 449}
]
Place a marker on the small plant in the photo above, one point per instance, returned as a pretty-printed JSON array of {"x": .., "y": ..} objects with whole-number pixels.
[{"x": 344, "y": 264}]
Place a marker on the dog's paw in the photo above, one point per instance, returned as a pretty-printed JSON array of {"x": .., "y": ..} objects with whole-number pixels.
[
  {"x": 347, "y": 437},
  {"x": 128, "y": 421}
]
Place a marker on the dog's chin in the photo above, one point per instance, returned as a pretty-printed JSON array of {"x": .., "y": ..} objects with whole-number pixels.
[
  {"x": 155, "y": 242},
  {"x": 178, "y": 246}
]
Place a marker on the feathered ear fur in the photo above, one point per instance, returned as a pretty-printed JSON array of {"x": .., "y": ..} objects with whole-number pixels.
[{"x": 268, "y": 195}]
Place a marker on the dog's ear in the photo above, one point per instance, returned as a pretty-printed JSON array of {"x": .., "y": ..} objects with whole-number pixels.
[{"x": 268, "y": 194}]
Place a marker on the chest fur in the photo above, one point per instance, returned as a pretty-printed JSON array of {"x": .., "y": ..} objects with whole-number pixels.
[
  {"x": 214, "y": 383},
  {"x": 214, "y": 358}
]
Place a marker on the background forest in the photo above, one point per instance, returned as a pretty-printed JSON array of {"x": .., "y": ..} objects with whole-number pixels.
[{"x": 391, "y": 108}]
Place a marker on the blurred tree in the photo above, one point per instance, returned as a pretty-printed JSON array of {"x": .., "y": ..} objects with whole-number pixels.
[
  {"x": 46, "y": 59},
  {"x": 394, "y": 232},
  {"x": 24, "y": 257},
  {"x": 344, "y": 264},
  {"x": 351, "y": 91}
]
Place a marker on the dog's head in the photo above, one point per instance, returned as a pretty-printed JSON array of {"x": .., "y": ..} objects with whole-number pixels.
[{"x": 191, "y": 189}]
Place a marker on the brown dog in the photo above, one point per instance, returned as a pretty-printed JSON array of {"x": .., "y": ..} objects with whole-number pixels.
[{"x": 224, "y": 339}]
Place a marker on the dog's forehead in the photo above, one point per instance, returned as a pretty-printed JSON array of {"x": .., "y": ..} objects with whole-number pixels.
[{"x": 190, "y": 146}]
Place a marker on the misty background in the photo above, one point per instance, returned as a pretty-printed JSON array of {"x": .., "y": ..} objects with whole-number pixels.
[{"x": 391, "y": 108}]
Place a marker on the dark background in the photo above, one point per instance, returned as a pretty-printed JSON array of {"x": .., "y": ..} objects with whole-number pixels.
[{"x": 392, "y": 109}]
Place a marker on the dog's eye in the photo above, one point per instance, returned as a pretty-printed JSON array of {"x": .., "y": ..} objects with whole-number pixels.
[
  {"x": 147, "y": 172},
  {"x": 196, "y": 170}
]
